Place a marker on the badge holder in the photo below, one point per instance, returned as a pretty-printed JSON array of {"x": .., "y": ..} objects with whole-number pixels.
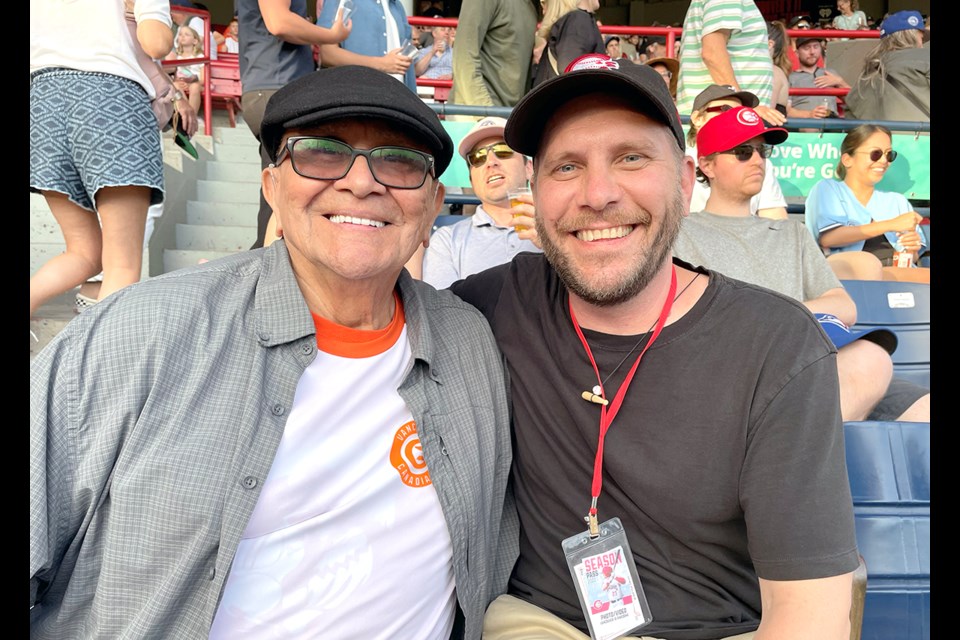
[{"x": 606, "y": 580}]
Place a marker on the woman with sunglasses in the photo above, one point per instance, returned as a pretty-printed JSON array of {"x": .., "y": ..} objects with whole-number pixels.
[{"x": 853, "y": 220}]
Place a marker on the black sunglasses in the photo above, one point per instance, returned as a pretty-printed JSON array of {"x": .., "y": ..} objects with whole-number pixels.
[
  {"x": 328, "y": 159},
  {"x": 876, "y": 154},
  {"x": 478, "y": 157},
  {"x": 744, "y": 152}
]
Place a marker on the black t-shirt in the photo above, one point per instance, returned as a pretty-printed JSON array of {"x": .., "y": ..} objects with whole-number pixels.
[{"x": 725, "y": 462}]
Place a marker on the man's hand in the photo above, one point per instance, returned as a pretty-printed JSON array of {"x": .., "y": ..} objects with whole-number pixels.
[
  {"x": 523, "y": 217},
  {"x": 338, "y": 29},
  {"x": 393, "y": 62},
  {"x": 830, "y": 80},
  {"x": 820, "y": 111},
  {"x": 772, "y": 116},
  {"x": 911, "y": 241}
]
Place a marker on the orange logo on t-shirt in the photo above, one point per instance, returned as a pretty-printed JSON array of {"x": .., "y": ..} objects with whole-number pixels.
[{"x": 406, "y": 456}]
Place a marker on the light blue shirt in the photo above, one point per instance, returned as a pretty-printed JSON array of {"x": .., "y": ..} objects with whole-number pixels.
[
  {"x": 368, "y": 36},
  {"x": 438, "y": 66},
  {"x": 478, "y": 243},
  {"x": 831, "y": 204}
]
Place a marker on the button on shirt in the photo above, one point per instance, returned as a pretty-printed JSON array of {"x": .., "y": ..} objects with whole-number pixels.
[
  {"x": 155, "y": 419},
  {"x": 368, "y": 36}
]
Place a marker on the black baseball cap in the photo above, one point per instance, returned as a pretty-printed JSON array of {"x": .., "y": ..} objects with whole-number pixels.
[
  {"x": 353, "y": 91},
  {"x": 593, "y": 72},
  {"x": 718, "y": 91}
]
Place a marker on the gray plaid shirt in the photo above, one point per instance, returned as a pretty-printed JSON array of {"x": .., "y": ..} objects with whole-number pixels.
[{"x": 155, "y": 418}]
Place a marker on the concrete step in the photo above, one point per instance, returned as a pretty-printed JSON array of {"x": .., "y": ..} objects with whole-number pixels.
[
  {"x": 228, "y": 171},
  {"x": 231, "y": 214},
  {"x": 236, "y": 192},
  {"x": 218, "y": 238},
  {"x": 174, "y": 259},
  {"x": 238, "y": 152}
]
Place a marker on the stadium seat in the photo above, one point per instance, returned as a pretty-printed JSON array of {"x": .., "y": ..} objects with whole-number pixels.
[
  {"x": 444, "y": 220},
  {"x": 904, "y": 308},
  {"x": 888, "y": 464}
]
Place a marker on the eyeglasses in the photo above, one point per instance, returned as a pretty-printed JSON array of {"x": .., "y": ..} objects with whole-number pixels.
[
  {"x": 876, "y": 154},
  {"x": 720, "y": 108},
  {"x": 744, "y": 152},
  {"x": 478, "y": 157},
  {"x": 665, "y": 74},
  {"x": 326, "y": 159}
]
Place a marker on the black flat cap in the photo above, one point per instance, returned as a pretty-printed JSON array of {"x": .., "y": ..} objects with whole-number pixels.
[
  {"x": 353, "y": 92},
  {"x": 718, "y": 91},
  {"x": 593, "y": 72}
]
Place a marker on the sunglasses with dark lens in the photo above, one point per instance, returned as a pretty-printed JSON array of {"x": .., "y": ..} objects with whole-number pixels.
[
  {"x": 744, "y": 152},
  {"x": 876, "y": 154},
  {"x": 327, "y": 159},
  {"x": 720, "y": 108},
  {"x": 478, "y": 157}
]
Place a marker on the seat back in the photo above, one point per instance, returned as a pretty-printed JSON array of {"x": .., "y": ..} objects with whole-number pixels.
[
  {"x": 443, "y": 220},
  {"x": 904, "y": 308},
  {"x": 888, "y": 464}
]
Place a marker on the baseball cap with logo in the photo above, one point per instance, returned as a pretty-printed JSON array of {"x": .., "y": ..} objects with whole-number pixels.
[
  {"x": 591, "y": 73},
  {"x": 805, "y": 40},
  {"x": 735, "y": 127},
  {"x": 719, "y": 91},
  {"x": 489, "y": 127},
  {"x": 901, "y": 21}
]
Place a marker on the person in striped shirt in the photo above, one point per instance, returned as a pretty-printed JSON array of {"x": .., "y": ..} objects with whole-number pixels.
[{"x": 725, "y": 42}]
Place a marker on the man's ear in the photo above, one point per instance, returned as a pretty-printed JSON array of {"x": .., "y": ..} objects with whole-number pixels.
[
  {"x": 528, "y": 167},
  {"x": 688, "y": 176},
  {"x": 269, "y": 185}
]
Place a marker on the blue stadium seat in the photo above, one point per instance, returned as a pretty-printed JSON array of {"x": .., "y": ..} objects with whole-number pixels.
[
  {"x": 444, "y": 220},
  {"x": 904, "y": 308},
  {"x": 889, "y": 468}
]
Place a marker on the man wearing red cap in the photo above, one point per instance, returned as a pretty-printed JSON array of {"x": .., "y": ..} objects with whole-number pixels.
[{"x": 783, "y": 256}]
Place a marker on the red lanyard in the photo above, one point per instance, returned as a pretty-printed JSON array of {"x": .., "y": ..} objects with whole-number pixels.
[{"x": 606, "y": 417}]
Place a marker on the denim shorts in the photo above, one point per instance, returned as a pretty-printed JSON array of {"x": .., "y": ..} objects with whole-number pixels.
[{"x": 92, "y": 130}]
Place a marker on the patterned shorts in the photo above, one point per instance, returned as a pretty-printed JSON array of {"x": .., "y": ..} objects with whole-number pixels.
[{"x": 89, "y": 131}]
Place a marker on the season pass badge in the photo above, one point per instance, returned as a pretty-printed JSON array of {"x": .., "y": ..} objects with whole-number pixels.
[{"x": 406, "y": 456}]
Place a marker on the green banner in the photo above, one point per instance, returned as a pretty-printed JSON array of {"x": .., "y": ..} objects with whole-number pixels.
[
  {"x": 806, "y": 158},
  {"x": 800, "y": 162}
]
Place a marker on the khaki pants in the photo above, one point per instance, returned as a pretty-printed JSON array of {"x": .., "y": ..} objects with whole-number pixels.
[{"x": 510, "y": 618}]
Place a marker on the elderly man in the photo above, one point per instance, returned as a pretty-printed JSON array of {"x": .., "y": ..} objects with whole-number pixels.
[
  {"x": 784, "y": 256},
  {"x": 436, "y": 60},
  {"x": 687, "y": 418},
  {"x": 488, "y": 237},
  {"x": 296, "y": 441}
]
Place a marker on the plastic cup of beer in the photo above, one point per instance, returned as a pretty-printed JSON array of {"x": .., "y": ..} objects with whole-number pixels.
[
  {"x": 408, "y": 48},
  {"x": 514, "y": 195}
]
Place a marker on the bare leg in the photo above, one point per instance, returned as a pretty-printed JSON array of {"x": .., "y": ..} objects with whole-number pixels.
[
  {"x": 919, "y": 411},
  {"x": 80, "y": 260},
  {"x": 865, "y": 370},
  {"x": 856, "y": 265},
  {"x": 195, "y": 95},
  {"x": 123, "y": 213},
  {"x": 899, "y": 274}
]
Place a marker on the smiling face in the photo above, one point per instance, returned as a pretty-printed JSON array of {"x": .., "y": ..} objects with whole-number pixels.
[
  {"x": 496, "y": 176},
  {"x": 860, "y": 168},
  {"x": 353, "y": 228},
  {"x": 609, "y": 200}
]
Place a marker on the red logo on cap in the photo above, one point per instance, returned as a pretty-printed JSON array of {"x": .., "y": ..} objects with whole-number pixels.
[
  {"x": 592, "y": 61},
  {"x": 748, "y": 117}
]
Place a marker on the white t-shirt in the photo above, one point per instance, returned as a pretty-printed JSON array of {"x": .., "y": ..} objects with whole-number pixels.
[{"x": 347, "y": 539}]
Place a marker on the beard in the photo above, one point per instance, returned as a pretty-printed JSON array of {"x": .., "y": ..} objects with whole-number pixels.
[{"x": 604, "y": 294}]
